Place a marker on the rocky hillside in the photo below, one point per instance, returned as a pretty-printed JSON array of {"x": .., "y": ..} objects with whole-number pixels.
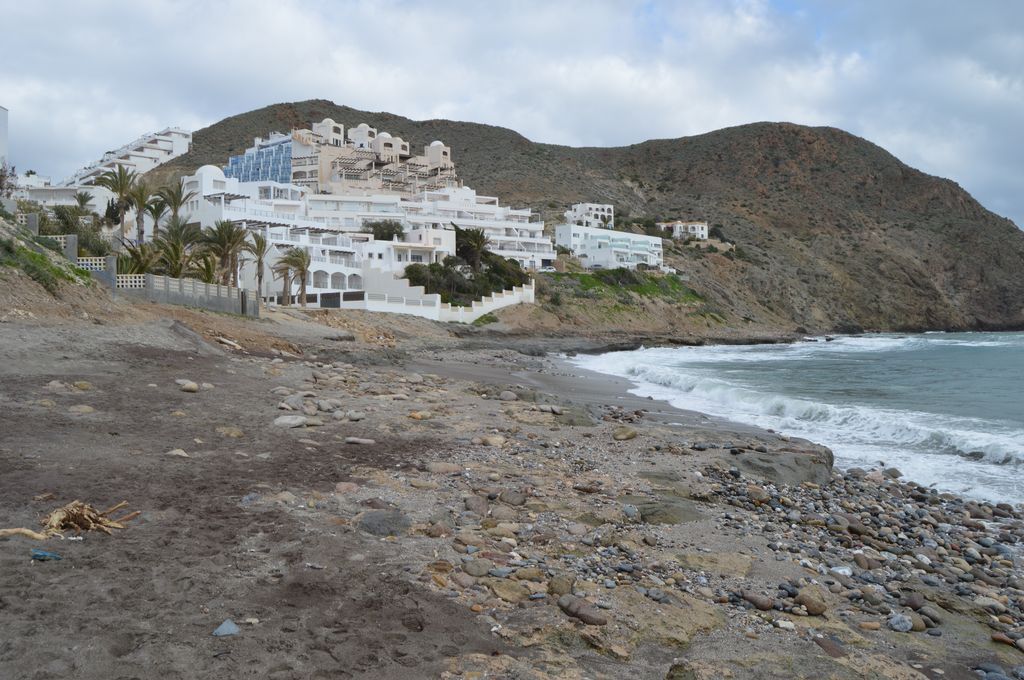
[{"x": 835, "y": 232}]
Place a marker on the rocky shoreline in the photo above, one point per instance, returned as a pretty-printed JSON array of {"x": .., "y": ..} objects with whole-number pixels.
[{"x": 396, "y": 505}]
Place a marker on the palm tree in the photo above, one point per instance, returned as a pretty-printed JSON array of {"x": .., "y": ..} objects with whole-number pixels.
[
  {"x": 141, "y": 258},
  {"x": 175, "y": 196},
  {"x": 140, "y": 197},
  {"x": 204, "y": 268},
  {"x": 298, "y": 260},
  {"x": 156, "y": 209},
  {"x": 259, "y": 248},
  {"x": 176, "y": 254},
  {"x": 283, "y": 271},
  {"x": 119, "y": 181},
  {"x": 471, "y": 245},
  {"x": 178, "y": 228},
  {"x": 83, "y": 200},
  {"x": 226, "y": 240}
]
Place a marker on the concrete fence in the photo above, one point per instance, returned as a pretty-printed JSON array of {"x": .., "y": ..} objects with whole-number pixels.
[
  {"x": 92, "y": 264},
  {"x": 189, "y": 292},
  {"x": 165, "y": 289},
  {"x": 429, "y": 306}
]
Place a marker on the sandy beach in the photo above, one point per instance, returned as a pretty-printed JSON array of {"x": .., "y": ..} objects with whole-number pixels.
[{"x": 380, "y": 498}]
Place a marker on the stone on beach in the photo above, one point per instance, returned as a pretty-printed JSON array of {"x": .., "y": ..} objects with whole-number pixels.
[
  {"x": 290, "y": 421},
  {"x": 624, "y": 433},
  {"x": 579, "y": 608}
]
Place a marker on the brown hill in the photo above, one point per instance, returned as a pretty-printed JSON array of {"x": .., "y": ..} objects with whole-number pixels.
[{"x": 835, "y": 232}]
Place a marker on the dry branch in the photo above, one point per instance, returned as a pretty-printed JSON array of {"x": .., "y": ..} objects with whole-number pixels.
[{"x": 78, "y": 517}]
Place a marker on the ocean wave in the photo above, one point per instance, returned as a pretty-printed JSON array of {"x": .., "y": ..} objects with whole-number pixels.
[{"x": 835, "y": 425}]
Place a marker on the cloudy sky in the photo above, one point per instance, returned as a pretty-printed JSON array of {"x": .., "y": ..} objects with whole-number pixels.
[{"x": 938, "y": 83}]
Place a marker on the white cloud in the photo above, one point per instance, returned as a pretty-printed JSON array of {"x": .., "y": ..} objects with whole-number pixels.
[{"x": 940, "y": 88}]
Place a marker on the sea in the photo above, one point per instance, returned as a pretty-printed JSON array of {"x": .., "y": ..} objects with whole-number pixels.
[{"x": 947, "y": 409}]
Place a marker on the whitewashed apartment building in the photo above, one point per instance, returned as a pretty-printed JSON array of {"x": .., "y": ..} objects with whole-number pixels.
[
  {"x": 141, "y": 155},
  {"x": 681, "y": 229},
  {"x": 329, "y": 226},
  {"x": 609, "y": 249},
  {"x": 599, "y": 215},
  {"x": 325, "y": 159}
]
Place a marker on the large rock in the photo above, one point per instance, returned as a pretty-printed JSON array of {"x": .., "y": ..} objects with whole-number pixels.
[
  {"x": 512, "y": 497},
  {"x": 760, "y": 602},
  {"x": 579, "y": 608},
  {"x": 811, "y": 601},
  {"x": 477, "y": 567},
  {"x": 477, "y": 504},
  {"x": 790, "y": 466},
  {"x": 510, "y": 591},
  {"x": 290, "y": 421},
  {"x": 384, "y": 522},
  {"x": 665, "y": 509},
  {"x": 621, "y": 434}
]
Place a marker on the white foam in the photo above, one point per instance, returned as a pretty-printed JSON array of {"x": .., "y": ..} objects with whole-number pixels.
[{"x": 927, "y": 447}]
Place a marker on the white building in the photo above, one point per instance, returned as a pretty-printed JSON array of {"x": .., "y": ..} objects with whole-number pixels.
[
  {"x": 3, "y": 135},
  {"x": 141, "y": 155},
  {"x": 512, "y": 232},
  {"x": 328, "y": 226},
  {"x": 609, "y": 249},
  {"x": 681, "y": 229},
  {"x": 38, "y": 188},
  {"x": 600, "y": 215},
  {"x": 327, "y": 160}
]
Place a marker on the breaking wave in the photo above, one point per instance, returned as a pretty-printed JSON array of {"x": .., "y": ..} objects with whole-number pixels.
[{"x": 961, "y": 453}]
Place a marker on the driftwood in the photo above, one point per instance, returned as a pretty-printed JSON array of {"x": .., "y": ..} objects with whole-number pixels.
[{"x": 78, "y": 517}]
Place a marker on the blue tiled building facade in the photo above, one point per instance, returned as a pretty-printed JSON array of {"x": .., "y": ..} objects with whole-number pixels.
[{"x": 270, "y": 161}]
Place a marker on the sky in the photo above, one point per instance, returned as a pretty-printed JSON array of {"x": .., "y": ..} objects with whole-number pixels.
[{"x": 940, "y": 84}]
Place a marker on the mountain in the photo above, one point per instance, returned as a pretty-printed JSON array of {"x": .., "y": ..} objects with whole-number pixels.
[{"x": 835, "y": 233}]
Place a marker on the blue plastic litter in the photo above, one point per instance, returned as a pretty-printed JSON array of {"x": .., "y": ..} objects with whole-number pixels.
[
  {"x": 44, "y": 555},
  {"x": 229, "y": 627}
]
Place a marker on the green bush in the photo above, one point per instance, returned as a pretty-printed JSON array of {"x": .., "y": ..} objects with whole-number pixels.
[
  {"x": 496, "y": 274},
  {"x": 486, "y": 319}
]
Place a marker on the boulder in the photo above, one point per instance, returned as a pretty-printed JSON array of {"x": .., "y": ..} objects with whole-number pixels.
[{"x": 579, "y": 608}]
